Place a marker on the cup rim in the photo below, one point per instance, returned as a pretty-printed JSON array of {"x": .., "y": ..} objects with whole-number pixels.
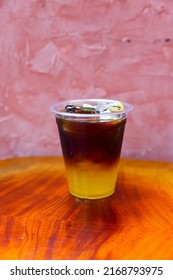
[{"x": 53, "y": 108}]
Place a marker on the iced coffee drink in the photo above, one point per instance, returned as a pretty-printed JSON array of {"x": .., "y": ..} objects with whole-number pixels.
[{"x": 91, "y": 134}]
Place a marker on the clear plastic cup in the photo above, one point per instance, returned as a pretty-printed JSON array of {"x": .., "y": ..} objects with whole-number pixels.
[{"x": 91, "y": 146}]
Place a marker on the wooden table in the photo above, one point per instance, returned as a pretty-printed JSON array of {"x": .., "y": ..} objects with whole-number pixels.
[{"x": 39, "y": 219}]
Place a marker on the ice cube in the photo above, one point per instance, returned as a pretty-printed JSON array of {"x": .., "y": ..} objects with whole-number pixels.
[
  {"x": 78, "y": 110},
  {"x": 110, "y": 108},
  {"x": 101, "y": 109}
]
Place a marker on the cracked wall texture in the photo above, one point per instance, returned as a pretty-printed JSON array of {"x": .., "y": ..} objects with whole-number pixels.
[{"x": 62, "y": 49}]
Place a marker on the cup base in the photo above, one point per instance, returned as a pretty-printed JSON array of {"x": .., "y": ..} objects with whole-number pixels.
[{"x": 92, "y": 197}]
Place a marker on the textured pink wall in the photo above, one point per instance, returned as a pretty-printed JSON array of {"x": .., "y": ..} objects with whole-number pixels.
[{"x": 54, "y": 50}]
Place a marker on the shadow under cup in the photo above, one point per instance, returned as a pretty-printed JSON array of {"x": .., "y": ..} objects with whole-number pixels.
[{"x": 91, "y": 146}]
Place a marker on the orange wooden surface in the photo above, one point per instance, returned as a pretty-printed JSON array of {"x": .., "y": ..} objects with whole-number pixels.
[{"x": 39, "y": 219}]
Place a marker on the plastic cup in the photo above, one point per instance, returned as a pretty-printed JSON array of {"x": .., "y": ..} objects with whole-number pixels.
[{"x": 91, "y": 146}]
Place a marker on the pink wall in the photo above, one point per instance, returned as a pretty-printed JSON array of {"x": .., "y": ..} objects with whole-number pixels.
[{"x": 55, "y": 50}]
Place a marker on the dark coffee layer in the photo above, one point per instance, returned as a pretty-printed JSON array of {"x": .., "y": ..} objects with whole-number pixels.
[{"x": 97, "y": 142}]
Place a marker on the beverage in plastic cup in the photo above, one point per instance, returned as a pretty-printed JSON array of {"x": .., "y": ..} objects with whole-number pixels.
[{"x": 91, "y": 141}]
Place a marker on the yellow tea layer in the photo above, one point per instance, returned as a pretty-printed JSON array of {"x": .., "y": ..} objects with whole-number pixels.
[{"x": 90, "y": 180}]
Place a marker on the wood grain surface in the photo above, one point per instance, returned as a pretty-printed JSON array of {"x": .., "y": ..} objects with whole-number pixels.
[{"x": 39, "y": 219}]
